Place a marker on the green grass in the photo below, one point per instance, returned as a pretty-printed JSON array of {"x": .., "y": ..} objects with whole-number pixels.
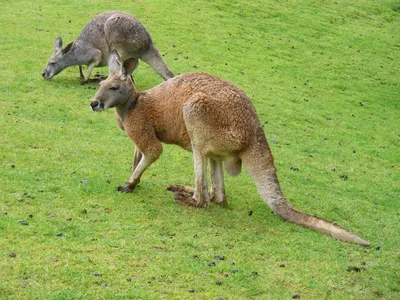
[{"x": 324, "y": 77}]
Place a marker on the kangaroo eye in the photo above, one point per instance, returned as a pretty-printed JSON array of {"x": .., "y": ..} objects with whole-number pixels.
[{"x": 114, "y": 88}]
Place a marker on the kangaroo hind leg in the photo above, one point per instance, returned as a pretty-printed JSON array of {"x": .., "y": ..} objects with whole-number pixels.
[
  {"x": 199, "y": 195},
  {"x": 217, "y": 185}
]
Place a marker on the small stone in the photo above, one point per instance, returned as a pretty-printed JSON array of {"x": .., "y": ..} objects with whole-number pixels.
[
  {"x": 353, "y": 269},
  {"x": 85, "y": 181},
  {"x": 68, "y": 219},
  {"x": 12, "y": 254},
  {"x": 30, "y": 216},
  {"x": 234, "y": 271},
  {"x": 296, "y": 296},
  {"x": 96, "y": 274},
  {"x": 5, "y": 213},
  {"x": 282, "y": 266},
  {"x": 254, "y": 273},
  {"x": 129, "y": 279},
  {"x": 218, "y": 282},
  {"x": 219, "y": 257},
  {"x": 191, "y": 291},
  {"x": 211, "y": 264},
  {"x": 19, "y": 199},
  {"x": 52, "y": 215},
  {"x": 60, "y": 234},
  {"x": 250, "y": 212},
  {"x": 12, "y": 166},
  {"x": 22, "y": 222},
  {"x": 84, "y": 211}
]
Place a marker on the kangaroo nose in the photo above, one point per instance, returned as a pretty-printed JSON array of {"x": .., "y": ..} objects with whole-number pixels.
[
  {"x": 94, "y": 104},
  {"x": 44, "y": 74},
  {"x": 97, "y": 105}
]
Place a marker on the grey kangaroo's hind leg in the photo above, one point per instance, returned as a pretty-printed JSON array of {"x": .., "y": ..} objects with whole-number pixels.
[
  {"x": 154, "y": 59},
  {"x": 217, "y": 186}
]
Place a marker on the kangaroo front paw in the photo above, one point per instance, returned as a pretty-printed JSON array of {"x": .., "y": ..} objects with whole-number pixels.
[{"x": 125, "y": 189}]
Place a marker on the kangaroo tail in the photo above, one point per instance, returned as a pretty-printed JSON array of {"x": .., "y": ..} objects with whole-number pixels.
[{"x": 263, "y": 172}]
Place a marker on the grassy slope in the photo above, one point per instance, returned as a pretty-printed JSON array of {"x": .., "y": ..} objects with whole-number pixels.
[{"x": 325, "y": 80}]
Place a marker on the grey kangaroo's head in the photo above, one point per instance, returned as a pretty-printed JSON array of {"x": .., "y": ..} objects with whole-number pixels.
[
  {"x": 118, "y": 88},
  {"x": 61, "y": 58}
]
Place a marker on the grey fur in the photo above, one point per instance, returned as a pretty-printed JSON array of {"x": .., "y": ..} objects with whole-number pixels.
[{"x": 104, "y": 33}]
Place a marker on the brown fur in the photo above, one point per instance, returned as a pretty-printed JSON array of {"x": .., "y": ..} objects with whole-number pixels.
[{"x": 210, "y": 117}]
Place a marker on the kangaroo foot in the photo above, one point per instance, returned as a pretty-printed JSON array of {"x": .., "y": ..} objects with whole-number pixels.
[
  {"x": 220, "y": 199},
  {"x": 184, "y": 195}
]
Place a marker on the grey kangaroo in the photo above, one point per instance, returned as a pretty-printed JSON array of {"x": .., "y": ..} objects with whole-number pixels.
[
  {"x": 213, "y": 119},
  {"x": 107, "y": 31}
]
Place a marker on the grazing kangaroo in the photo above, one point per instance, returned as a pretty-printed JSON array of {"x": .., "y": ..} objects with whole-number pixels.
[
  {"x": 107, "y": 31},
  {"x": 210, "y": 117}
]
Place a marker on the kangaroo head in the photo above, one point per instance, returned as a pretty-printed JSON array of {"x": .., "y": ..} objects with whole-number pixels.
[
  {"x": 118, "y": 88},
  {"x": 61, "y": 58}
]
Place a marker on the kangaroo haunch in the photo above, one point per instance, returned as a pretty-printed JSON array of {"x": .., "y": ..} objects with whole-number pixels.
[
  {"x": 104, "y": 33},
  {"x": 211, "y": 118}
]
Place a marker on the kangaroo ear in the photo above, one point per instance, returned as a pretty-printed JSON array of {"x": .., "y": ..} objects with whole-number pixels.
[
  {"x": 114, "y": 62},
  {"x": 67, "y": 48},
  {"x": 57, "y": 44},
  {"x": 129, "y": 65}
]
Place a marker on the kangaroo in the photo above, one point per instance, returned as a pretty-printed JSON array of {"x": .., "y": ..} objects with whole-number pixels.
[
  {"x": 107, "y": 31},
  {"x": 213, "y": 119}
]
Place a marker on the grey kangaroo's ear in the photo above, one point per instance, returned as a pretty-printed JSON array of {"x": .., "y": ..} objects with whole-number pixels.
[
  {"x": 57, "y": 44},
  {"x": 114, "y": 62},
  {"x": 67, "y": 48},
  {"x": 129, "y": 65}
]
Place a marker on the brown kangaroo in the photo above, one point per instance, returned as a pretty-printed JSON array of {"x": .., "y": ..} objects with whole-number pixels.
[{"x": 211, "y": 118}]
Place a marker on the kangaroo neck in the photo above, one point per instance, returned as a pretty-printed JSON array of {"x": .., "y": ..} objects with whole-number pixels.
[{"x": 123, "y": 109}]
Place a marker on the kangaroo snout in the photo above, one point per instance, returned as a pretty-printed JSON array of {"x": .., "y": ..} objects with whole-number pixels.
[
  {"x": 97, "y": 105},
  {"x": 46, "y": 74}
]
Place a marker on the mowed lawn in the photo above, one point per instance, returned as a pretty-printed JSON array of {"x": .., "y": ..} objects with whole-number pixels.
[{"x": 324, "y": 77}]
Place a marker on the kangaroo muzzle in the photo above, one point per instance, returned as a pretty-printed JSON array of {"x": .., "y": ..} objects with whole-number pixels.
[
  {"x": 46, "y": 75},
  {"x": 97, "y": 105}
]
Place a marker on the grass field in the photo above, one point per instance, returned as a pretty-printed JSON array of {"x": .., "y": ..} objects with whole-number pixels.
[{"x": 324, "y": 77}]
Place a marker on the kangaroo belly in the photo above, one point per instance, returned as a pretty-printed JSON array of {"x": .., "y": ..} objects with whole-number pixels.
[{"x": 179, "y": 137}]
